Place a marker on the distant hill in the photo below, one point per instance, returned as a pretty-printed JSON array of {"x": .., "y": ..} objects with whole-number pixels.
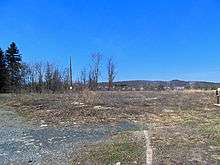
[
  {"x": 175, "y": 83},
  {"x": 171, "y": 84}
]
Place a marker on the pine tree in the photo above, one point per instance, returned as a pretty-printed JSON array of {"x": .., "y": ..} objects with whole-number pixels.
[
  {"x": 14, "y": 66},
  {"x": 3, "y": 72}
]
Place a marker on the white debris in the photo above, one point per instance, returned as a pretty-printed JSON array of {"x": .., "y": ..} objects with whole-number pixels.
[
  {"x": 98, "y": 107},
  {"x": 153, "y": 98},
  {"x": 118, "y": 163},
  {"x": 29, "y": 143},
  {"x": 168, "y": 110},
  {"x": 43, "y": 125},
  {"x": 77, "y": 103},
  {"x": 51, "y": 139},
  {"x": 31, "y": 140}
]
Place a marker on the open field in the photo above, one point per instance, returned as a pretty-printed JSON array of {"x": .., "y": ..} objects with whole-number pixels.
[{"x": 169, "y": 127}]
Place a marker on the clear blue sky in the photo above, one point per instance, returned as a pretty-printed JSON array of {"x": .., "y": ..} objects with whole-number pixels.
[{"x": 149, "y": 39}]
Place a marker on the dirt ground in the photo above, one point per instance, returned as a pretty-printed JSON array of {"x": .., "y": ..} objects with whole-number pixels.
[{"x": 183, "y": 127}]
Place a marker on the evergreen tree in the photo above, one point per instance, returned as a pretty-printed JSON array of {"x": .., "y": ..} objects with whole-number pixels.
[
  {"x": 3, "y": 72},
  {"x": 14, "y": 66}
]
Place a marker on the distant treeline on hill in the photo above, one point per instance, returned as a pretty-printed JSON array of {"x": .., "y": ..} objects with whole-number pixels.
[{"x": 164, "y": 85}]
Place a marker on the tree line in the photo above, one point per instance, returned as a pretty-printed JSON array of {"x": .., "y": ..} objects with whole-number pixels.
[{"x": 16, "y": 76}]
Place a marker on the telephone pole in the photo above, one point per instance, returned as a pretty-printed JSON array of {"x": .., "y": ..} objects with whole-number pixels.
[{"x": 71, "y": 79}]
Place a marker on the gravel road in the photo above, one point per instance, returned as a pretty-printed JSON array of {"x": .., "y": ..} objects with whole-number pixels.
[{"x": 21, "y": 142}]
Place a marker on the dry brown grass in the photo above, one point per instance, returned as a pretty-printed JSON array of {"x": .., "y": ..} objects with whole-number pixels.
[{"x": 185, "y": 124}]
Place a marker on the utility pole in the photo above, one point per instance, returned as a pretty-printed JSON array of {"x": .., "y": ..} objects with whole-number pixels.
[
  {"x": 218, "y": 96},
  {"x": 71, "y": 78}
]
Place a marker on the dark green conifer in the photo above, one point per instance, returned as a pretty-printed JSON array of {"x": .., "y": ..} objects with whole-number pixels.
[
  {"x": 14, "y": 66},
  {"x": 3, "y": 72}
]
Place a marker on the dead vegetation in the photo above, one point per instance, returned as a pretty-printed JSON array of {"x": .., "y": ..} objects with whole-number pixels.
[{"x": 185, "y": 125}]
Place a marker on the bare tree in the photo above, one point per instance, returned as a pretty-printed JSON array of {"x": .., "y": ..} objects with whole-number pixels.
[
  {"x": 94, "y": 72},
  {"x": 96, "y": 61},
  {"x": 111, "y": 72},
  {"x": 25, "y": 74},
  {"x": 39, "y": 76},
  {"x": 56, "y": 83},
  {"x": 27, "y": 77},
  {"x": 71, "y": 74},
  {"x": 83, "y": 76},
  {"x": 49, "y": 75},
  {"x": 66, "y": 78},
  {"x": 91, "y": 78}
]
